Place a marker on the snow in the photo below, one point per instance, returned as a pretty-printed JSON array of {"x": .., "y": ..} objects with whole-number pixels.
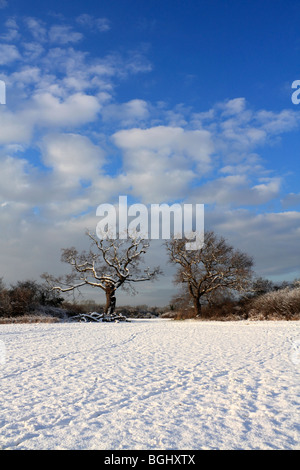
[{"x": 150, "y": 384}]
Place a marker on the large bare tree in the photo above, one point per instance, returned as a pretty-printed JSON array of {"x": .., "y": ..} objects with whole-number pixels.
[
  {"x": 108, "y": 265},
  {"x": 214, "y": 268}
]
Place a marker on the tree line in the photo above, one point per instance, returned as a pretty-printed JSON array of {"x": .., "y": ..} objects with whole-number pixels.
[{"x": 215, "y": 280}]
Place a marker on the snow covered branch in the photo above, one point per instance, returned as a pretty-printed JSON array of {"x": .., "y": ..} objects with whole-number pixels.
[{"x": 108, "y": 265}]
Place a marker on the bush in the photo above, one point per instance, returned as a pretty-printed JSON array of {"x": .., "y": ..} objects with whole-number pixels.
[
  {"x": 25, "y": 297},
  {"x": 283, "y": 304},
  {"x": 29, "y": 319},
  {"x": 4, "y": 300},
  {"x": 184, "y": 314},
  {"x": 228, "y": 309},
  {"x": 75, "y": 308}
]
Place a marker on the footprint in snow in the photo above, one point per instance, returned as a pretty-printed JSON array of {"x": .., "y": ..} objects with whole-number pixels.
[
  {"x": 295, "y": 353},
  {"x": 2, "y": 353}
]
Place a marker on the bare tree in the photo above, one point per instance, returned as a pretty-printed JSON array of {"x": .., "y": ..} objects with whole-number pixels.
[
  {"x": 214, "y": 268},
  {"x": 108, "y": 265}
]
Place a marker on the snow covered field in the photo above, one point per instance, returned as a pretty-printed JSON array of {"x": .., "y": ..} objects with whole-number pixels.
[{"x": 150, "y": 384}]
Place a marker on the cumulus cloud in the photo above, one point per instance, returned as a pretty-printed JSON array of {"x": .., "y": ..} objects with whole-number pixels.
[
  {"x": 23, "y": 187},
  {"x": 76, "y": 109},
  {"x": 168, "y": 141},
  {"x": 127, "y": 114},
  {"x": 89, "y": 148},
  {"x": 72, "y": 157},
  {"x": 45, "y": 111},
  {"x": 13, "y": 128},
  {"x": 237, "y": 190},
  {"x": 157, "y": 161},
  {"x": 14, "y": 180}
]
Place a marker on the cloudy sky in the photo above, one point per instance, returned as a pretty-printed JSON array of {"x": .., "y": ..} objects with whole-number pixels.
[{"x": 173, "y": 101}]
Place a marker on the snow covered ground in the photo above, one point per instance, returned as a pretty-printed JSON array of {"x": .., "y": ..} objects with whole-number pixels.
[{"x": 150, "y": 384}]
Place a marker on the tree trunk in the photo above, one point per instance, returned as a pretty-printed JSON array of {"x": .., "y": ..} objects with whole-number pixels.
[
  {"x": 197, "y": 307},
  {"x": 196, "y": 295},
  {"x": 110, "y": 300}
]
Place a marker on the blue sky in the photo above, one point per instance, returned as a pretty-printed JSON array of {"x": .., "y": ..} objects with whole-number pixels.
[{"x": 161, "y": 101}]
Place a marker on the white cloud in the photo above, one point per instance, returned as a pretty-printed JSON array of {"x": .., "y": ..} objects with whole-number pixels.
[
  {"x": 248, "y": 164},
  {"x": 232, "y": 107},
  {"x": 271, "y": 238},
  {"x": 290, "y": 200},
  {"x": 32, "y": 51},
  {"x": 8, "y": 53},
  {"x": 73, "y": 157},
  {"x": 102, "y": 24},
  {"x": 158, "y": 161},
  {"x": 127, "y": 114},
  {"x": 37, "y": 28},
  {"x": 275, "y": 123},
  {"x": 237, "y": 129},
  {"x": 12, "y": 31},
  {"x": 13, "y": 127},
  {"x": 64, "y": 70},
  {"x": 14, "y": 180},
  {"x": 25, "y": 76},
  {"x": 267, "y": 189},
  {"x": 61, "y": 34},
  {"x": 22, "y": 185},
  {"x": 237, "y": 190},
  {"x": 239, "y": 135},
  {"x": 164, "y": 154},
  {"x": 168, "y": 141},
  {"x": 99, "y": 24},
  {"x": 33, "y": 244},
  {"x": 45, "y": 110},
  {"x": 49, "y": 110}
]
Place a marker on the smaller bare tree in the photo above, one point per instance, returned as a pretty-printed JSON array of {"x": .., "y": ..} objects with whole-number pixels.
[
  {"x": 108, "y": 265},
  {"x": 213, "y": 269}
]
